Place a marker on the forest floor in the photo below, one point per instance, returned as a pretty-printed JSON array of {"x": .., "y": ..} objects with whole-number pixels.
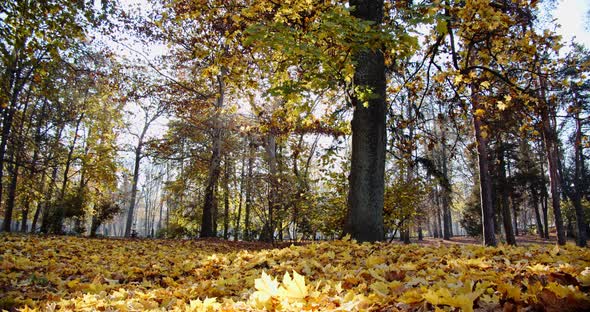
[
  {"x": 64, "y": 273},
  {"x": 523, "y": 240}
]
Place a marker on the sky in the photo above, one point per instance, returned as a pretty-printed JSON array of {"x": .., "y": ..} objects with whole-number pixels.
[{"x": 573, "y": 18}]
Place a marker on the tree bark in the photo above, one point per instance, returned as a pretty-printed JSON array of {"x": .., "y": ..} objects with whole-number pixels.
[
  {"x": 485, "y": 181},
  {"x": 577, "y": 200},
  {"x": 132, "y": 200},
  {"x": 209, "y": 206},
  {"x": 364, "y": 221},
  {"x": 226, "y": 199},
  {"x": 544, "y": 203},
  {"x": 545, "y": 207},
  {"x": 504, "y": 189},
  {"x": 249, "y": 178},
  {"x": 8, "y": 114},
  {"x": 268, "y": 230},
  {"x": 240, "y": 200},
  {"x": 58, "y": 211},
  {"x": 14, "y": 166},
  {"x": 535, "y": 203},
  {"x": 14, "y": 88},
  {"x": 552, "y": 154},
  {"x": 447, "y": 220}
]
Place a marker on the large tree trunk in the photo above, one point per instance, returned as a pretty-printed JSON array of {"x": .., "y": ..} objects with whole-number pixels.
[
  {"x": 210, "y": 203},
  {"x": 14, "y": 87},
  {"x": 8, "y": 114},
  {"x": 364, "y": 221},
  {"x": 485, "y": 180}
]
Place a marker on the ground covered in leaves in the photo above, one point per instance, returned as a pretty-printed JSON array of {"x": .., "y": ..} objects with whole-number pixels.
[{"x": 71, "y": 273}]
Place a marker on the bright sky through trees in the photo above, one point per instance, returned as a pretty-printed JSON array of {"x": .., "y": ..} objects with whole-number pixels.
[{"x": 573, "y": 17}]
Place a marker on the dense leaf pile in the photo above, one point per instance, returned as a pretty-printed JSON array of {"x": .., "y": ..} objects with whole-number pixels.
[{"x": 69, "y": 273}]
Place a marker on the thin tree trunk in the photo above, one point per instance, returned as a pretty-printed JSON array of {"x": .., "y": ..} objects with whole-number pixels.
[
  {"x": 249, "y": 178},
  {"x": 420, "y": 234},
  {"x": 39, "y": 206},
  {"x": 15, "y": 164},
  {"x": 577, "y": 200},
  {"x": 439, "y": 230},
  {"x": 240, "y": 201},
  {"x": 300, "y": 190},
  {"x": 535, "y": 202},
  {"x": 46, "y": 213},
  {"x": 511, "y": 201},
  {"x": 504, "y": 189},
  {"x": 545, "y": 208},
  {"x": 10, "y": 201},
  {"x": 544, "y": 203},
  {"x": 554, "y": 179},
  {"x": 132, "y": 200},
  {"x": 208, "y": 221},
  {"x": 7, "y": 117},
  {"x": 59, "y": 213},
  {"x": 485, "y": 181},
  {"x": 447, "y": 221},
  {"x": 552, "y": 153},
  {"x": 267, "y": 234},
  {"x": 226, "y": 199}
]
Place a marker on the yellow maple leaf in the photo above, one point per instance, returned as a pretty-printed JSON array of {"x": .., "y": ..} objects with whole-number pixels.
[
  {"x": 380, "y": 288},
  {"x": 374, "y": 261},
  {"x": 443, "y": 296},
  {"x": 293, "y": 288},
  {"x": 73, "y": 283},
  {"x": 538, "y": 268},
  {"x": 510, "y": 291},
  {"x": 559, "y": 290},
  {"x": 266, "y": 289},
  {"x": 479, "y": 112},
  {"x": 584, "y": 277},
  {"x": 414, "y": 295},
  {"x": 207, "y": 305},
  {"x": 555, "y": 251}
]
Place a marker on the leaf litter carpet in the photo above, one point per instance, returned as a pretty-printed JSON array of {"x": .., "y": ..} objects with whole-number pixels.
[{"x": 60, "y": 273}]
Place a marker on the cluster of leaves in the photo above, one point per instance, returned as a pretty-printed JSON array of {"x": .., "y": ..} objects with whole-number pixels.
[{"x": 70, "y": 273}]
